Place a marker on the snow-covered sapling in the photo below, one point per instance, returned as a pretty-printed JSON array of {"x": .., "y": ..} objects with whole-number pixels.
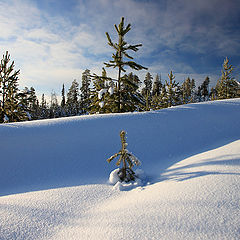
[{"x": 127, "y": 159}]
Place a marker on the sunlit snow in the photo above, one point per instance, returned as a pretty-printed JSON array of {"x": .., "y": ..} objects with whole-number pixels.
[{"x": 56, "y": 182}]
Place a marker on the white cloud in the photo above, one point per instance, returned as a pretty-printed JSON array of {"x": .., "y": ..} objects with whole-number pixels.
[
  {"x": 52, "y": 49},
  {"x": 48, "y": 50}
]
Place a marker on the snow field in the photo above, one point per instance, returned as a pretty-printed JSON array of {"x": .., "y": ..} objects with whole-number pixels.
[{"x": 190, "y": 155}]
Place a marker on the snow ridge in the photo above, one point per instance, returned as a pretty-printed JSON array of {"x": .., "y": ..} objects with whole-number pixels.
[{"x": 54, "y": 176}]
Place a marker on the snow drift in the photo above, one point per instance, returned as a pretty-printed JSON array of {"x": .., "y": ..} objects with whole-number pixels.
[{"x": 190, "y": 154}]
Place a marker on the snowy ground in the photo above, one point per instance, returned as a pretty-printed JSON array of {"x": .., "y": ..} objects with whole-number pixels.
[{"x": 54, "y": 176}]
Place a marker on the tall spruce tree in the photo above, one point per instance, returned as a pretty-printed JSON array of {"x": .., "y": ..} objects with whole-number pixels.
[
  {"x": 193, "y": 90},
  {"x": 121, "y": 48},
  {"x": 63, "y": 101},
  {"x": 132, "y": 100},
  {"x": 172, "y": 97},
  {"x": 147, "y": 90},
  {"x": 44, "y": 111},
  {"x": 205, "y": 89},
  {"x": 85, "y": 91},
  {"x": 157, "y": 86},
  {"x": 29, "y": 102},
  {"x": 102, "y": 97},
  {"x": 227, "y": 86},
  {"x": 164, "y": 97},
  {"x": 188, "y": 91},
  {"x": 10, "y": 108},
  {"x": 72, "y": 103},
  {"x": 55, "y": 110}
]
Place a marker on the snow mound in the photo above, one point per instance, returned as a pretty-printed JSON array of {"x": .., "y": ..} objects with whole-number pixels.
[
  {"x": 113, "y": 177},
  {"x": 123, "y": 186}
]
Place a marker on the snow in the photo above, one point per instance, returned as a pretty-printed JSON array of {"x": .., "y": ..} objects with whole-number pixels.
[
  {"x": 101, "y": 92},
  {"x": 113, "y": 177},
  {"x": 101, "y": 104},
  {"x": 5, "y": 119},
  {"x": 54, "y": 176},
  {"x": 111, "y": 90},
  {"x": 122, "y": 186}
]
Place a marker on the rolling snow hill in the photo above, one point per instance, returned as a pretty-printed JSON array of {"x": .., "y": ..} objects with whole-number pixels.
[{"x": 54, "y": 176}]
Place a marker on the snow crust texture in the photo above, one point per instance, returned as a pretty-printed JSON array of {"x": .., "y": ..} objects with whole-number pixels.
[{"x": 54, "y": 176}]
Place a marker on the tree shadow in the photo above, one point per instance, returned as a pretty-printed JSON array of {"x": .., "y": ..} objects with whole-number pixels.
[
  {"x": 182, "y": 173},
  {"x": 182, "y": 176}
]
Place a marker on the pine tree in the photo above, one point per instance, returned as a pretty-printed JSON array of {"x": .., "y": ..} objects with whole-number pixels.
[
  {"x": 127, "y": 159},
  {"x": 157, "y": 85},
  {"x": 172, "y": 97},
  {"x": 186, "y": 89},
  {"x": 204, "y": 88},
  {"x": 44, "y": 111},
  {"x": 54, "y": 110},
  {"x": 63, "y": 101},
  {"x": 72, "y": 103},
  {"x": 85, "y": 91},
  {"x": 213, "y": 94},
  {"x": 147, "y": 90},
  {"x": 132, "y": 100},
  {"x": 118, "y": 61},
  {"x": 102, "y": 97},
  {"x": 34, "y": 105},
  {"x": 29, "y": 102},
  {"x": 10, "y": 109},
  {"x": 193, "y": 91},
  {"x": 164, "y": 97},
  {"x": 24, "y": 101},
  {"x": 227, "y": 86}
]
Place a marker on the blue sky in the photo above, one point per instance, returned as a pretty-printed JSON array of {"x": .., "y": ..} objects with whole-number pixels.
[{"x": 54, "y": 41}]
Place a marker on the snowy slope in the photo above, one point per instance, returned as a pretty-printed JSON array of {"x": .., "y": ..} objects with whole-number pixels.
[{"x": 190, "y": 153}]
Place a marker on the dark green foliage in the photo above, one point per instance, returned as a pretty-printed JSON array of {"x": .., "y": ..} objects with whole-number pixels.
[
  {"x": 147, "y": 91},
  {"x": 85, "y": 91},
  {"x": 188, "y": 91},
  {"x": 186, "y": 88},
  {"x": 213, "y": 94},
  {"x": 29, "y": 102},
  {"x": 157, "y": 86},
  {"x": 72, "y": 103},
  {"x": 44, "y": 110},
  {"x": 10, "y": 108},
  {"x": 63, "y": 102},
  {"x": 171, "y": 85},
  {"x": 131, "y": 99},
  {"x": 205, "y": 88},
  {"x": 118, "y": 61},
  {"x": 103, "y": 98},
  {"x": 127, "y": 159},
  {"x": 227, "y": 86},
  {"x": 55, "y": 109},
  {"x": 203, "y": 92}
]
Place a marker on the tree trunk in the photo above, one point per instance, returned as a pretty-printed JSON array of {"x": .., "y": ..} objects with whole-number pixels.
[{"x": 119, "y": 88}]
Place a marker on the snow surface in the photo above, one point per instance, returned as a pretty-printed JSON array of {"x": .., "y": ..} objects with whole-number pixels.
[
  {"x": 54, "y": 176},
  {"x": 101, "y": 104},
  {"x": 101, "y": 92},
  {"x": 111, "y": 90}
]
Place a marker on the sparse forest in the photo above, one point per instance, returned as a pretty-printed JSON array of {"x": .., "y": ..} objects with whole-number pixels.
[{"x": 103, "y": 94}]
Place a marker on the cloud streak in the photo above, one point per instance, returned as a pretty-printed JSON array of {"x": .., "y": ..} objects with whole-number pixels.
[{"x": 53, "y": 47}]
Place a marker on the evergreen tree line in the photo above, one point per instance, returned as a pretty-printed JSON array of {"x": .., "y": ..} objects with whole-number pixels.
[
  {"x": 99, "y": 94},
  {"x": 102, "y": 94}
]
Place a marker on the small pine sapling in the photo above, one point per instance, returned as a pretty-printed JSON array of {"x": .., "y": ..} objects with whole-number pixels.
[{"x": 127, "y": 159}]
